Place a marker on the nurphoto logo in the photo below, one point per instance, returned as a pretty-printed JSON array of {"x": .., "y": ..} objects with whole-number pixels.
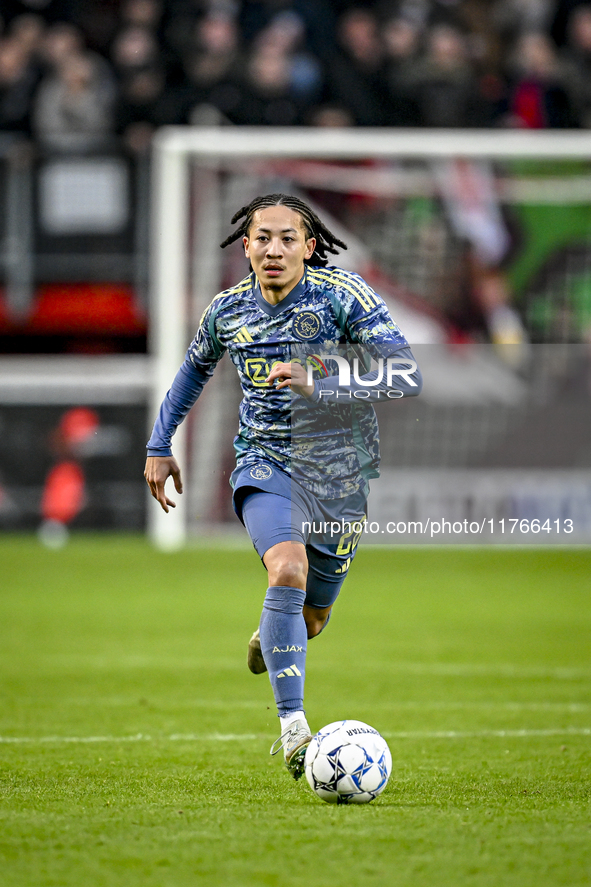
[{"x": 391, "y": 366}]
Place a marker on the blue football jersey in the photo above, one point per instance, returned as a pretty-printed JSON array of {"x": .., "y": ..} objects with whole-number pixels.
[{"x": 332, "y": 449}]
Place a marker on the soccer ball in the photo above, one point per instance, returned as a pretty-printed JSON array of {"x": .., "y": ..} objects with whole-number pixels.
[{"x": 348, "y": 762}]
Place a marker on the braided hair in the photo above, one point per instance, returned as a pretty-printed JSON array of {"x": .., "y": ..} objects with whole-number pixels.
[{"x": 326, "y": 241}]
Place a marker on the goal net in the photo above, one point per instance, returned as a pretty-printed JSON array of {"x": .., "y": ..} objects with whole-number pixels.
[{"x": 480, "y": 244}]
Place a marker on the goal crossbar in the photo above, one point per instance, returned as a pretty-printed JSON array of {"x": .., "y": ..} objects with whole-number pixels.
[{"x": 216, "y": 142}]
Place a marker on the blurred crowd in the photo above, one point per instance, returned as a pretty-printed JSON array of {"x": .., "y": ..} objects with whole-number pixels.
[{"x": 77, "y": 73}]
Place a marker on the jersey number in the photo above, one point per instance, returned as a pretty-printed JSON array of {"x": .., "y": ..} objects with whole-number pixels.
[{"x": 348, "y": 541}]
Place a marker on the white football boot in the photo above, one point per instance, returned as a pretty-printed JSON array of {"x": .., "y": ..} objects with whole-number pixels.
[{"x": 294, "y": 741}]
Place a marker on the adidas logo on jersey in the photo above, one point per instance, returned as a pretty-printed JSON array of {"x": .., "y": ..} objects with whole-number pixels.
[
  {"x": 291, "y": 672},
  {"x": 243, "y": 336}
]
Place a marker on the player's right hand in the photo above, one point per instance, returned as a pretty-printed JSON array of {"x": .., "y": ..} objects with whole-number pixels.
[
  {"x": 293, "y": 375},
  {"x": 158, "y": 470}
]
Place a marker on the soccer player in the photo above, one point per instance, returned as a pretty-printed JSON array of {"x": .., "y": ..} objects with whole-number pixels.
[{"x": 307, "y": 443}]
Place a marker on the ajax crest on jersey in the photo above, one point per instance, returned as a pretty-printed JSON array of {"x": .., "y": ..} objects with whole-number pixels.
[
  {"x": 348, "y": 762},
  {"x": 261, "y": 472},
  {"x": 306, "y": 325}
]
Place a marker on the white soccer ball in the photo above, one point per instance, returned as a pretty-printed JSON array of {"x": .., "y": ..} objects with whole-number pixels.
[{"x": 348, "y": 762}]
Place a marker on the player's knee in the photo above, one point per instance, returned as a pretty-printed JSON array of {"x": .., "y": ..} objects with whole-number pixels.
[
  {"x": 287, "y": 565},
  {"x": 289, "y": 571}
]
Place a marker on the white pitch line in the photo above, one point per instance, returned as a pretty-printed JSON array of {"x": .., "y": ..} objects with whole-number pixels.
[
  {"x": 439, "y": 669},
  {"x": 483, "y": 706},
  {"x": 470, "y": 670},
  {"x": 503, "y": 734},
  {"x": 226, "y": 704},
  {"x": 249, "y": 737},
  {"x": 138, "y": 737}
]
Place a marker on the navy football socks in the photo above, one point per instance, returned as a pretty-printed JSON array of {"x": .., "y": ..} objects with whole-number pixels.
[{"x": 283, "y": 644}]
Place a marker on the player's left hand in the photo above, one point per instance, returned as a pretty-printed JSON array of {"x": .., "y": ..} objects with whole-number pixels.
[{"x": 293, "y": 375}]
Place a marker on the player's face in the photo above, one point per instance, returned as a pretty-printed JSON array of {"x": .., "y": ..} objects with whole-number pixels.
[{"x": 277, "y": 246}]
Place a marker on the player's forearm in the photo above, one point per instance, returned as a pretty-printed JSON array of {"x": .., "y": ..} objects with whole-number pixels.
[
  {"x": 184, "y": 391},
  {"x": 398, "y": 375}
]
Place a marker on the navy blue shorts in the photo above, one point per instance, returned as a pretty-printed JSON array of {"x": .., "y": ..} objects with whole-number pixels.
[{"x": 274, "y": 509}]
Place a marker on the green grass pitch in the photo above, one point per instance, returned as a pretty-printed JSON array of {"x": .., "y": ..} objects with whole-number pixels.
[{"x": 135, "y": 744}]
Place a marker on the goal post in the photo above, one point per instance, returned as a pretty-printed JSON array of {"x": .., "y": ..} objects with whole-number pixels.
[{"x": 186, "y": 230}]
